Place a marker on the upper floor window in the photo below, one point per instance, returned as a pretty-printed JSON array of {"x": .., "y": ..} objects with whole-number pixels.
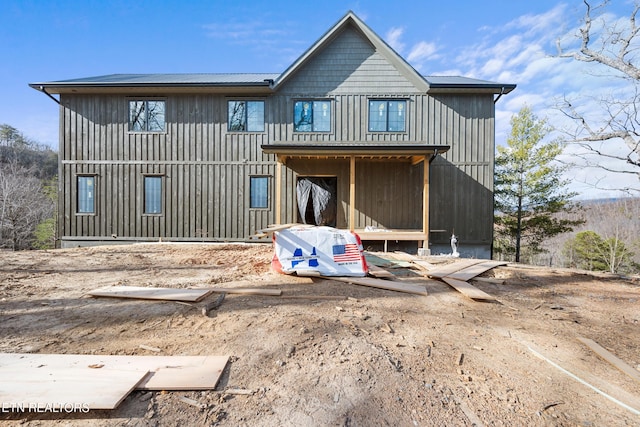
[
  {"x": 246, "y": 116},
  {"x": 387, "y": 115},
  {"x": 312, "y": 116},
  {"x": 146, "y": 116},
  {"x": 86, "y": 194}
]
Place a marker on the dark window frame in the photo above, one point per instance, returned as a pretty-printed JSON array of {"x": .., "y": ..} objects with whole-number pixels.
[
  {"x": 79, "y": 204},
  {"x": 231, "y": 127},
  {"x": 267, "y": 195},
  {"x": 402, "y": 110},
  {"x": 160, "y": 197},
  {"x": 311, "y": 120},
  {"x": 143, "y": 125}
]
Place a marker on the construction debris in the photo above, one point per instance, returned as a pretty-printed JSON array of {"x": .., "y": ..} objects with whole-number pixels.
[
  {"x": 141, "y": 292},
  {"x": 44, "y": 379}
]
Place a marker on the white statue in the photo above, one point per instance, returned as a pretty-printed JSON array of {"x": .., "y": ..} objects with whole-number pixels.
[{"x": 454, "y": 246}]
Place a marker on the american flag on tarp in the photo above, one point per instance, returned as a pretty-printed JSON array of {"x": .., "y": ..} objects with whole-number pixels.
[{"x": 347, "y": 252}]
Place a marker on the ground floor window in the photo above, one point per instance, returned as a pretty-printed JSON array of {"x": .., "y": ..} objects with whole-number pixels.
[
  {"x": 86, "y": 194},
  {"x": 259, "y": 192},
  {"x": 152, "y": 195}
]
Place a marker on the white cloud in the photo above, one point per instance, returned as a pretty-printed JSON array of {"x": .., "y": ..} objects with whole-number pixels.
[
  {"x": 393, "y": 37},
  {"x": 422, "y": 51}
]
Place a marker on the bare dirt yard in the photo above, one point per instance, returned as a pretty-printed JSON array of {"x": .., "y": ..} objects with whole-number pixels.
[{"x": 327, "y": 353}]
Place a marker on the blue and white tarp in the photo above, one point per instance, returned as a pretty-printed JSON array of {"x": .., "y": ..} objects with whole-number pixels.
[{"x": 326, "y": 250}]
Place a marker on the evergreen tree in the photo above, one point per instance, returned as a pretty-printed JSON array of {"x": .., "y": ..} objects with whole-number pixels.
[
  {"x": 529, "y": 188},
  {"x": 590, "y": 251}
]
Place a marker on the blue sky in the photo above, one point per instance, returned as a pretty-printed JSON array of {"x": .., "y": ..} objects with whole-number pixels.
[{"x": 509, "y": 41}]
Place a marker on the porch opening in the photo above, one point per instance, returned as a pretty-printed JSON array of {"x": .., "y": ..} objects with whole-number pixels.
[{"x": 317, "y": 200}]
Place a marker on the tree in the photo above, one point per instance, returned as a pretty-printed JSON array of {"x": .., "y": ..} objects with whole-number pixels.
[
  {"x": 529, "y": 188},
  {"x": 591, "y": 252},
  {"x": 17, "y": 148},
  {"x": 23, "y": 205},
  {"x": 611, "y": 46}
]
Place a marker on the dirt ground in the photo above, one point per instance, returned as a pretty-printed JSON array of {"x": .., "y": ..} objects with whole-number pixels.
[{"x": 327, "y": 353}]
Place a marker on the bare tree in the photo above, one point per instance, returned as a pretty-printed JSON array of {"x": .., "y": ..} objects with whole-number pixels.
[
  {"x": 615, "y": 222},
  {"x": 23, "y": 205},
  {"x": 613, "y": 45}
]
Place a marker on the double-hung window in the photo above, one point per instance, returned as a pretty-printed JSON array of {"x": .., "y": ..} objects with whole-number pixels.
[
  {"x": 245, "y": 116},
  {"x": 259, "y": 192},
  {"x": 387, "y": 115},
  {"x": 86, "y": 186},
  {"x": 312, "y": 116},
  {"x": 146, "y": 115},
  {"x": 152, "y": 194}
]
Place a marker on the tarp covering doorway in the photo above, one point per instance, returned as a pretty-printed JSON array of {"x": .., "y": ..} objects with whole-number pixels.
[{"x": 317, "y": 200}]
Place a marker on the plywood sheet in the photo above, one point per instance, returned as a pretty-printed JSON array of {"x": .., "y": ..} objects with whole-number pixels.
[
  {"x": 382, "y": 284},
  {"x": 165, "y": 372},
  {"x": 141, "y": 292},
  {"x": 448, "y": 269},
  {"x": 32, "y": 384},
  {"x": 468, "y": 289},
  {"x": 475, "y": 270},
  {"x": 376, "y": 271}
]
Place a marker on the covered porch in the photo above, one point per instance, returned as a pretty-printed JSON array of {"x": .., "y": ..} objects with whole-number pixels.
[{"x": 415, "y": 155}]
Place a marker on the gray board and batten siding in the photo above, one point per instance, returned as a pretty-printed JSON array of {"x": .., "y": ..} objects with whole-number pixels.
[{"x": 206, "y": 168}]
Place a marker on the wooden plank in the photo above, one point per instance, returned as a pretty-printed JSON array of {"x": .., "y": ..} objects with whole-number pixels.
[
  {"x": 391, "y": 235},
  {"x": 475, "y": 270},
  {"x": 179, "y": 372},
  {"x": 248, "y": 291},
  {"x": 379, "y": 272},
  {"x": 385, "y": 261},
  {"x": 448, "y": 269},
  {"x": 277, "y": 227},
  {"x": 141, "y": 292},
  {"x": 381, "y": 284},
  {"x": 611, "y": 358},
  {"x": 160, "y": 372},
  {"x": 41, "y": 384},
  {"x": 468, "y": 290}
]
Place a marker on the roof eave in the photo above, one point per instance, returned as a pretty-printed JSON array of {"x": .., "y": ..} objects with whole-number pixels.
[
  {"x": 62, "y": 88},
  {"x": 471, "y": 88}
]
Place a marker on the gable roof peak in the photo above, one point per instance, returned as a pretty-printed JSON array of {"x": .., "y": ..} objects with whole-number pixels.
[{"x": 350, "y": 18}]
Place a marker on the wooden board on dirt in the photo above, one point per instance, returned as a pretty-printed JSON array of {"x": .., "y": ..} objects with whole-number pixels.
[
  {"x": 379, "y": 272},
  {"x": 611, "y": 358},
  {"x": 41, "y": 385},
  {"x": 447, "y": 269},
  {"x": 475, "y": 270},
  {"x": 160, "y": 372},
  {"x": 385, "y": 260},
  {"x": 468, "y": 290},
  {"x": 141, "y": 292},
  {"x": 248, "y": 291},
  {"x": 382, "y": 284}
]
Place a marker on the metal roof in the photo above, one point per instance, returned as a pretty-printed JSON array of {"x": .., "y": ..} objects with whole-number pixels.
[
  {"x": 198, "y": 79},
  {"x": 457, "y": 82}
]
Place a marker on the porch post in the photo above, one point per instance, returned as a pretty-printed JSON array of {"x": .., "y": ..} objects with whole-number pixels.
[
  {"x": 352, "y": 193},
  {"x": 278, "y": 191},
  {"x": 425, "y": 203}
]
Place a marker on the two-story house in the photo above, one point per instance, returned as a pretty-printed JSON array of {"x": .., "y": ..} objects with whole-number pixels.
[{"x": 350, "y": 135}]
